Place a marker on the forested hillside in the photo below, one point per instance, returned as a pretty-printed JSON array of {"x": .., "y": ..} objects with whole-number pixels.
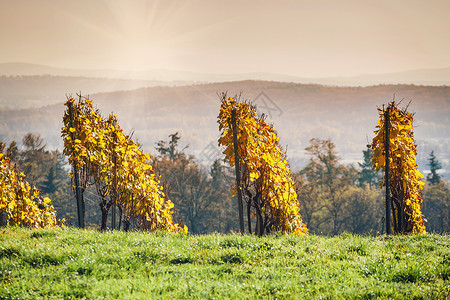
[
  {"x": 42, "y": 90},
  {"x": 346, "y": 115}
]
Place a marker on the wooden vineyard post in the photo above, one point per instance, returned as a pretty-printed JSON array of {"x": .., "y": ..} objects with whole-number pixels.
[
  {"x": 76, "y": 175},
  {"x": 238, "y": 170},
  {"x": 114, "y": 186},
  {"x": 386, "y": 171}
]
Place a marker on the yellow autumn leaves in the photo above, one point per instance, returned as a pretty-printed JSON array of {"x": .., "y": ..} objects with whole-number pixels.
[
  {"x": 265, "y": 170},
  {"x": 405, "y": 178},
  {"x": 99, "y": 146},
  {"x": 20, "y": 203}
]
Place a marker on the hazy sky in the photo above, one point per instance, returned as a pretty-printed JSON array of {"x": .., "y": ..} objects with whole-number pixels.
[{"x": 304, "y": 38}]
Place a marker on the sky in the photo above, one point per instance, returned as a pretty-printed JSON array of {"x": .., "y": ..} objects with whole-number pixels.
[{"x": 319, "y": 38}]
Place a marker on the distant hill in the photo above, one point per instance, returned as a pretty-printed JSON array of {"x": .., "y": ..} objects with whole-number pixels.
[
  {"x": 40, "y": 90},
  {"x": 300, "y": 112},
  {"x": 25, "y": 69},
  {"x": 436, "y": 77}
]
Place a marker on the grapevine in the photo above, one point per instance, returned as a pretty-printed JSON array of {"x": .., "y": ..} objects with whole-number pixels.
[
  {"x": 117, "y": 166},
  {"x": 405, "y": 178},
  {"x": 266, "y": 178},
  {"x": 20, "y": 203}
]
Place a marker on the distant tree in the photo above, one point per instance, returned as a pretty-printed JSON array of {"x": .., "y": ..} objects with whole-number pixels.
[
  {"x": 225, "y": 206},
  {"x": 56, "y": 173},
  {"x": 202, "y": 198},
  {"x": 33, "y": 142},
  {"x": 329, "y": 180},
  {"x": 363, "y": 213},
  {"x": 34, "y": 160},
  {"x": 169, "y": 148},
  {"x": 12, "y": 152},
  {"x": 189, "y": 189},
  {"x": 186, "y": 185},
  {"x": 217, "y": 174},
  {"x": 435, "y": 165},
  {"x": 367, "y": 175},
  {"x": 331, "y": 196},
  {"x": 46, "y": 170},
  {"x": 42, "y": 168},
  {"x": 62, "y": 197},
  {"x": 311, "y": 201},
  {"x": 436, "y": 206}
]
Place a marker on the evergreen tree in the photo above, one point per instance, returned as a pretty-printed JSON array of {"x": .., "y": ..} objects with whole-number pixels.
[
  {"x": 435, "y": 165},
  {"x": 367, "y": 175},
  {"x": 217, "y": 174},
  {"x": 55, "y": 174}
]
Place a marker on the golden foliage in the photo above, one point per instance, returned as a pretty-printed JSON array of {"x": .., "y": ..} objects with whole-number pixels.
[
  {"x": 101, "y": 146},
  {"x": 265, "y": 167},
  {"x": 405, "y": 177},
  {"x": 20, "y": 203}
]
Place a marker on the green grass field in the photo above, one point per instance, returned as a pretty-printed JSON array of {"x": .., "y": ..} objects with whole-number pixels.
[{"x": 71, "y": 264}]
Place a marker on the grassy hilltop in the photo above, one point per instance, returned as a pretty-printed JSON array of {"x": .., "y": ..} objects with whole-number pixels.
[{"x": 72, "y": 263}]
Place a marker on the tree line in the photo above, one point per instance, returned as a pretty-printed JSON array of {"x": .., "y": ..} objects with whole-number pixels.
[{"x": 333, "y": 197}]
